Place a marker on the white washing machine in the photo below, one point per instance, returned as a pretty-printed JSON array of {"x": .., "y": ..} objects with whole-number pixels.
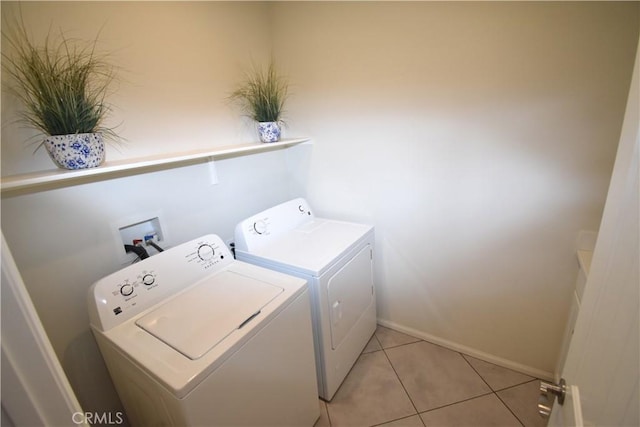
[
  {"x": 336, "y": 258},
  {"x": 192, "y": 337}
]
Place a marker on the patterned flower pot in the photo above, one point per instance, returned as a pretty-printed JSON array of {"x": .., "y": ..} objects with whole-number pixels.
[
  {"x": 269, "y": 131},
  {"x": 76, "y": 151}
]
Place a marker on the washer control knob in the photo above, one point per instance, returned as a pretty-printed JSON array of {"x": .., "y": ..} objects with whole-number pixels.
[
  {"x": 148, "y": 279},
  {"x": 260, "y": 226},
  {"x": 206, "y": 252},
  {"x": 126, "y": 290},
  {"x": 301, "y": 208}
]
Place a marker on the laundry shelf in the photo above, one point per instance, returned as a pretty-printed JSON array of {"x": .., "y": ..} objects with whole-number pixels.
[{"x": 56, "y": 178}]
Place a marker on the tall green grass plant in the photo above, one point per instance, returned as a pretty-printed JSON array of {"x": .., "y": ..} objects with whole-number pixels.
[
  {"x": 63, "y": 83},
  {"x": 262, "y": 94}
]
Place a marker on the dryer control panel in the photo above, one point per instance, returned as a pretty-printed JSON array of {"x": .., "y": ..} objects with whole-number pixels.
[
  {"x": 132, "y": 290},
  {"x": 259, "y": 229}
]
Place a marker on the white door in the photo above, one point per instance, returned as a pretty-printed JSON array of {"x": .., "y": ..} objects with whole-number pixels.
[
  {"x": 35, "y": 391},
  {"x": 602, "y": 368}
]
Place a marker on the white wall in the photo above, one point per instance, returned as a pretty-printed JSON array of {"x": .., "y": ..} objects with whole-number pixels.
[
  {"x": 478, "y": 138},
  {"x": 179, "y": 62}
]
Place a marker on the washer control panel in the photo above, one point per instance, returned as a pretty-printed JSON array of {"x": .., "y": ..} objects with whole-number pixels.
[
  {"x": 258, "y": 229},
  {"x": 127, "y": 292}
]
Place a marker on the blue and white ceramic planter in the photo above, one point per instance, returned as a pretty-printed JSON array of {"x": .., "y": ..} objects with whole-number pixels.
[
  {"x": 76, "y": 151},
  {"x": 269, "y": 131}
]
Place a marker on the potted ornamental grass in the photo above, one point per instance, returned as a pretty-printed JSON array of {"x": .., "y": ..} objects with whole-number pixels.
[
  {"x": 62, "y": 84},
  {"x": 262, "y": 95}
]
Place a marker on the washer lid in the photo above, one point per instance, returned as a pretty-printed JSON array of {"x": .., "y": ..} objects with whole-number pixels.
[{"x": 196, "y": 321}]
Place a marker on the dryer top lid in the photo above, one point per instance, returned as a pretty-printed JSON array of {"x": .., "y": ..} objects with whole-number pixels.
[
  {"x": 312, "y": 247},
  {"x": 260, "y": 229},
  {"x": 197, "y": 320}
]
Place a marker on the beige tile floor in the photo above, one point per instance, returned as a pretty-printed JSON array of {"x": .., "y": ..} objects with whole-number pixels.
[{"x": 400, "y": 380}]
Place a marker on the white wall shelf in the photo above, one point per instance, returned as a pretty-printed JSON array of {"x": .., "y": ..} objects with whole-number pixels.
[{"x": 57, "y": 178}]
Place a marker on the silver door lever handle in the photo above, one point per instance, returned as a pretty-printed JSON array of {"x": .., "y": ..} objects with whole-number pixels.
[{"x": 548, "y": 392}]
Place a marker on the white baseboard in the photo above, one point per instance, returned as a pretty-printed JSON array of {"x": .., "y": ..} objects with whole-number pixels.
[{"x": 505, "y": 363}]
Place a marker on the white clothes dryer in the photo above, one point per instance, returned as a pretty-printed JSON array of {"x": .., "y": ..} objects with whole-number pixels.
[
  {"x": 192, "y": 337},
  {"x": 336, "y": 258}
]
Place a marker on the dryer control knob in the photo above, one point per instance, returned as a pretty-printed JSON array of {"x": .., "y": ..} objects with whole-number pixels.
[
  {"x": 126, "y": 290},
  {"x": 260, "y": 226},
  {"x": 205, "y": 252}
]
